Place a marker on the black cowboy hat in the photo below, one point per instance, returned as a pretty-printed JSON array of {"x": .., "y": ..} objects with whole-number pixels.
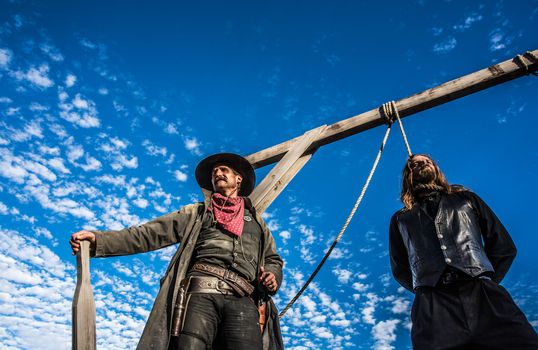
[{"x": 236, "y": 162}]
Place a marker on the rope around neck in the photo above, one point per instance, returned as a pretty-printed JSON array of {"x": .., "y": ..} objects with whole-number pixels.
[{"x": 390, "y": 111}]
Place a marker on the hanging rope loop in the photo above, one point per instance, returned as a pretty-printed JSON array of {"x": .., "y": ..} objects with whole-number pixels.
[
  {"x": 344, "y": 227},
  {"x": 390, "y": 111}
]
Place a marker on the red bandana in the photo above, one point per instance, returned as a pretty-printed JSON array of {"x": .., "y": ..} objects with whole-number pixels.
[{"x": 229, "y": 212}]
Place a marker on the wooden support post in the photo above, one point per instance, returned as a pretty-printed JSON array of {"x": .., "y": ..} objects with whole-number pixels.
[
  {"x": 83, "y": 303},
  {"x": 279, "y": 177},
  {"x": 449, "y": 91}
]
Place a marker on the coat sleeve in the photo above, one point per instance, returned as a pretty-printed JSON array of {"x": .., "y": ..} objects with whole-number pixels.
[
  {"x": 272, "y": 260},
  {"x": 499, "y": 246},
  {"x": 158, "y": 233},
  {"x": 399, "y": 259}
]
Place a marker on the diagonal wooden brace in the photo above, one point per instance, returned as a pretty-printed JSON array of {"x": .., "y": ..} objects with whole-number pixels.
[{"x": 286, "y": 169}]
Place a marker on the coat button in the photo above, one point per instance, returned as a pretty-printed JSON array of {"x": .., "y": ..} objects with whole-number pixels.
[
  {"x": 448, "y": 261},
  {"x": 234, "y": 265},
  {"x": 439, "y": 236},
  {"x": 443, "y": 247}
]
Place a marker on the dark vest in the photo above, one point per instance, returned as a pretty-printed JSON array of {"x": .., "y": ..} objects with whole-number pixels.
[
  {"x": 453, "y": 237},
  {"x": 239, "y": 254}
]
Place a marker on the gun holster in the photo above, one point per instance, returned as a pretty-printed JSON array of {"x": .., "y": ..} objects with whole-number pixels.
[{"x": 180, "y": 308}]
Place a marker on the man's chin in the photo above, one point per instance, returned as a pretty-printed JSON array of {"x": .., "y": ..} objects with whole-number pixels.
[{"x": 425, "y": 178}]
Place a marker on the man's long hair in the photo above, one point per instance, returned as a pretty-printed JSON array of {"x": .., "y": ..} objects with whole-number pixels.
[{"x": 407, "y": 196}]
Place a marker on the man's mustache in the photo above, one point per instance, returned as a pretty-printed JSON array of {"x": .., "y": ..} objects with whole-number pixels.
[{"x": 217, "y": 178}]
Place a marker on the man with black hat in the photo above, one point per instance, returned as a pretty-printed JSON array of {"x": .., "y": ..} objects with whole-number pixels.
[
  {"x": 448, "y": 247},
  {"x": 226, "y": 265}
]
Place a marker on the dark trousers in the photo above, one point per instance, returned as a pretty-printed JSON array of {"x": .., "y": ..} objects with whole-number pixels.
[
  {"x": 476, "y": 314},
  {"x": 215, "y": 321}
]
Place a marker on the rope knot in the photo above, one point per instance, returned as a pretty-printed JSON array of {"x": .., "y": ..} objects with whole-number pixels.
[
  {"x": 390, "y": 111},
  {"x": 520, "y": 61}
]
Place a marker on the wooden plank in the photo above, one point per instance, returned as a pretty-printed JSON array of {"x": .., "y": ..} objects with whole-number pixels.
[
  {"x": 266, "y": 201},
  {"x": 449, "y": 91},
  {"x": 276, "y": 180},
  {"x": 83, "y": 303}
]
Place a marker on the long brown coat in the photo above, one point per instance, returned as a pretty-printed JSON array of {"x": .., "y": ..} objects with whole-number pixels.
[{"x": 183, "y": 227}]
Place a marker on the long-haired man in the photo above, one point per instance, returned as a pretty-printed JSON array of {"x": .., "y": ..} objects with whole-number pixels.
[{"x": 448, "y": 247}]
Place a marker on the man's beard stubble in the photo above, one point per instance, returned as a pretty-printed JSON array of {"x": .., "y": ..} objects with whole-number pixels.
[{"x": 426, "y": 175}]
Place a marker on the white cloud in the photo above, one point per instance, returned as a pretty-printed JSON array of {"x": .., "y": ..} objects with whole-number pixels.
[
  {"x": 36, "y": 289},
  {"x": 4, "y": 210},
  {"x": 44, "y": 149},
  {"x": 285, "y": 235},
  {"x": 445, "y": 46},
  {"x": 193, "y": 145},
  {"x": 79, "y": 111},
  {"x": 343, "y": 275},
  {"x": 39, "y": 169},
  {"x": 41, "y": 231},
  {"x": 308, "y": 234},
  {"x": 141, "y": 203},
  {"x": 468, "y": 22},
  {"x": 36, "y": 76},
  {"x": 112, "y": 149},
  {"x": 80, "y": 103},
  {"x": 154, "y": 150},
  {"x": 436, "y": 31},
  {"x": 37, "y": 107},
  {"x": 360, "y": 287},
  {"x": 10, "y": 167},
  {"x": 171, "y": 129},
  {"x": 31, "y": 129},
  {"x": 180, "y": 176},
  {"x": 88, "y": 44},
  {"x": 70, "y": 80},
  {"x": 52, "y": 52},
  {"x": 369, "y": 309},
  {"x": 76, "y": 152},
  {"x": 499, "y": 40},
  {"x": 400, "y": 306},
  {"x": 5, "y": 58},
  {"x": 58, "y": 130},
  {"x": 58, "y": 164},
  {"x": 42, "y": 193},
  {"x": 384, "y": 333}
]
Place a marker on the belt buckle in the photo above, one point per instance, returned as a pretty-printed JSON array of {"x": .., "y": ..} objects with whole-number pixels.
[
  {"x": 221, "y": 287},
  {"x": 450, "y": 277},
  {"x": 230, "y": 276}
]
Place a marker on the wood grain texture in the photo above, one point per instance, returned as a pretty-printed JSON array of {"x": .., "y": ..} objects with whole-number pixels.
[
  {"x": 83, "y": 303},
  {"x": 279, "y": 177},
  {"x": 449, "y": 91}
]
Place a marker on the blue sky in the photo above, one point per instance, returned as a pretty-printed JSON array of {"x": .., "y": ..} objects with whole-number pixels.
[{"x": 106, "y": 107}]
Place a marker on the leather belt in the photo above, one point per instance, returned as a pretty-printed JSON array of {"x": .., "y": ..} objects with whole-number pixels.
[
  {"x": 238, "y": 283},
  {"x": 210, "y": 285},
  {"x": 453, "y": 276}
]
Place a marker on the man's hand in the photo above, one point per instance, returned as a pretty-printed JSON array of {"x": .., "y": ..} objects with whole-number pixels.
[
  {"x": 268, "y": 279},
  {"x": 81, "y": 236}
]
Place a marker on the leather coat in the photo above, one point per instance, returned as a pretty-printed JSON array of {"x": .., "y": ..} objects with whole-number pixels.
[
  {"x": 182, "y": 226},
  {"x": 464, "y": 234}
]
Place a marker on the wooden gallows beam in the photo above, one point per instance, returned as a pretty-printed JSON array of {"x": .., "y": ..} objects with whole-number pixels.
[{"x": 299, "y": 154}]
